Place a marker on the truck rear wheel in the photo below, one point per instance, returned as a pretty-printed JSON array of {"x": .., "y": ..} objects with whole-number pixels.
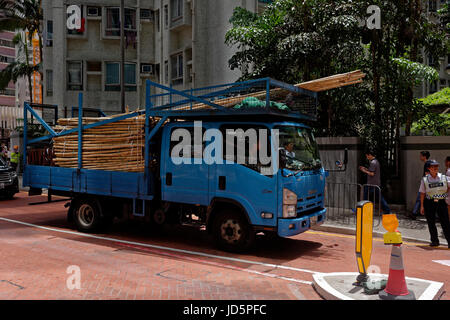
[
  {"x": 232, "y": 232},
  {"x": 86, "y": 214}
]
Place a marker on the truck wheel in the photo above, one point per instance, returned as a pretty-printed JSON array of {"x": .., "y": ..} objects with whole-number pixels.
[
  {"x": 232, "y": 232},
  {"x": 87, "y": 215}
]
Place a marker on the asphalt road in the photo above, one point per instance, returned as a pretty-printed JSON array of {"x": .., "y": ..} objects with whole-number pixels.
[{"x": 43, "y": 257}]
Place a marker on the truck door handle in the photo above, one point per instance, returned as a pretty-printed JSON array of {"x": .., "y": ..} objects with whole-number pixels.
[
  {"x": 222, "y": 183},
  {"x": 169, "y": 178}
]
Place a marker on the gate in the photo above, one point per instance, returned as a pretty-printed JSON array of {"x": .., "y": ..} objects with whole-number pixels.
[{"x": 341, "y": 200}]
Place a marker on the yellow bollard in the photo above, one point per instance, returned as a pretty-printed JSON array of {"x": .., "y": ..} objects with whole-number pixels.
[{"x": 364, "y": 236}]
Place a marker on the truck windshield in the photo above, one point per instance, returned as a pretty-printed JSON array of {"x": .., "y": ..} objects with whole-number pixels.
[{"x": 298, "y": 149}]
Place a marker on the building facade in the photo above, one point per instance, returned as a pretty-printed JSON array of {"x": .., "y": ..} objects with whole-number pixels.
[
  {"x": 7, "y": 96},
  {"x": 177, "y": 43}
]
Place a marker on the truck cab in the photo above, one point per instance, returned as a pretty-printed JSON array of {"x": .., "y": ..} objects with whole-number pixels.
[{"x": 274, "y": 193}]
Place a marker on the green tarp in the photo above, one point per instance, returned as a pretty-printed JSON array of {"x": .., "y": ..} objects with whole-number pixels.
[{"x": 252, "y": 103}]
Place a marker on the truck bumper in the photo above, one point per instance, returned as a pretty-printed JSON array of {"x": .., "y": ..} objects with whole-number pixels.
[{"x": 292, "y": 227}]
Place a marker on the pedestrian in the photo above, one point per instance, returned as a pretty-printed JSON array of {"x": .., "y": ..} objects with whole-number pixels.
[
  {"x": 425, "y": 158},
  {"x": 433, "y": 194},
  {"x": 373, "y": 181},
  {"x": 4, "y": 151},
  {"x": 15, "y": 156}
]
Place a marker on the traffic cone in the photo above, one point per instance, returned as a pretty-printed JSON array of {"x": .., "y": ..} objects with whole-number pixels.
[{"x": 396, "y": 288}]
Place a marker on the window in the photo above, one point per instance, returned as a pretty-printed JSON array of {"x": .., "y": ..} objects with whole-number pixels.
[
  {"x": 49, "y": 33},
  {"x": 432, "y": 5},
  {"x": 6, "y": 43},
  {"x": 157, "y": 22},
  {"x": 194, "y": 153},
  {"x": 74, "y": 75},
  {"x": 49, "y": 82},
  {"x": 146, "y": 14},
  {"x": 176, "y": 62},
  {"x": 243, "y": 144},
  {"x": 166, "y": 71},
  {"x": 77, "y": 31},
  {"x": 112, "y": 82},
  {"x": 113, "y": 21},
  {"x": 176, "y": 9},
  {"x": 6, "y": 59},
  {"x": 166, "y": 16},
  {"x": 93, "y": 66},
  {"x": 7, "y": 92},
  {"x": 433, "y": 87}
]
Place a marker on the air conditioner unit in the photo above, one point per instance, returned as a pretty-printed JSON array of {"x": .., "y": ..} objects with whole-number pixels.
[
  {"x": 147, "y": 68},
  {"x": 94, "y": 11}
]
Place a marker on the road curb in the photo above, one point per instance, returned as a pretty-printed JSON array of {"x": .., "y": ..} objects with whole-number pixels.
[{"x": 352, "y": 232}]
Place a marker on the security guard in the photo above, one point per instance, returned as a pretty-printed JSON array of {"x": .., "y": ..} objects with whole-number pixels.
[
  {"x": 15, "y": 156},
  {"x": 433, "y": 193}
]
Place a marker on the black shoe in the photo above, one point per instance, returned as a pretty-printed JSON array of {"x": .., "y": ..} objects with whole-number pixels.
[{"x": 434, "y": 244}]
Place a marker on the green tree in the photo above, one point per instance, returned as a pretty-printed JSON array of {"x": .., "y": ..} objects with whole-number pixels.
[
  {"x": 21, "y": 15},
  {"x": 297, "y": 41}
]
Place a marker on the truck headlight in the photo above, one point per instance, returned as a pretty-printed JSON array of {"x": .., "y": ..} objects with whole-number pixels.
[
  {"x": 289, "y": 211},
  {"x": 13, "y": 175},
  {"x": 289, "y": 204}
]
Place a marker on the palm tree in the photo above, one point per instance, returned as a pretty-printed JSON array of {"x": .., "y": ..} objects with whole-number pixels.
[
  {"x": 19, "y": 68},
  {"x": 21, "y": 15}
]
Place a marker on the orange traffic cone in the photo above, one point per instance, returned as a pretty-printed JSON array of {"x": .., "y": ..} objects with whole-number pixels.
[{"x": 396, "y": 288}]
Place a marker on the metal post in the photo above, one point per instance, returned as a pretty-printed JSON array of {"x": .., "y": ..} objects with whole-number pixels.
[
  {"x": 122, "y": 56},
  {"x": 148, "y": 105},
  {"x": 80, "y": 130},
  {"x": 25, "y": 133},
  {"x": 267, "y": 93}
]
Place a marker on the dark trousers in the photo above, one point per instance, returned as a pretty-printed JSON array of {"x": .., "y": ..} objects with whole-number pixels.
[
  {"x": 14, "y": 165},
  {"x": 373, "y": 194},
  {"x": 440, "y": 207}
]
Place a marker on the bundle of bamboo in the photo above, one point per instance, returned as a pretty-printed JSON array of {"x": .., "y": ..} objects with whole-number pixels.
[{"x": 117, "y": 146}]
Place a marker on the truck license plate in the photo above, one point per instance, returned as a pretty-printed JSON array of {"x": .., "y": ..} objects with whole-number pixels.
[{"x": 2, "y": 185}]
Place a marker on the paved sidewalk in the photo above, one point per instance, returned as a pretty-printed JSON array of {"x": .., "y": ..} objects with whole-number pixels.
[{"x": 411, "y": 230}]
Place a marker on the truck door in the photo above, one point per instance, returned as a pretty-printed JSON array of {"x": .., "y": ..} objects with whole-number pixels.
[
  {"x": 248, "y": 184},
  {"x": 182, "y": 179}
]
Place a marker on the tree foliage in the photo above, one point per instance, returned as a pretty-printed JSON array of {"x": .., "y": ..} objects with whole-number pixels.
[{"x": 296, "y": 41}]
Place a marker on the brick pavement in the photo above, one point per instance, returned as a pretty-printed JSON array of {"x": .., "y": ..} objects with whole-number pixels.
[{"x": 34, "y": 264}]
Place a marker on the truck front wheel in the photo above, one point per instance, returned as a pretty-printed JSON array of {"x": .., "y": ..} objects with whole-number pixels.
[
  {"x": 232, "y": 232},
  {"x": 86, "y": 214}
]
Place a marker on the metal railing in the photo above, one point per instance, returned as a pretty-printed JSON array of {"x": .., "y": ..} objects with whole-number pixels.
[{"x": 341, "y": 200}]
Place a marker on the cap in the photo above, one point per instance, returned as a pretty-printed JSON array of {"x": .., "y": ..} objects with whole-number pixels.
[
  {"x": 16, "y": 147},
  {"x": 433, "y": 163}
]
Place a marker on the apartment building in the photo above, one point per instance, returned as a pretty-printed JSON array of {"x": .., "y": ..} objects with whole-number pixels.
[
  {"x": 178, "y": 43},
  {"x": 443, "y": 65},
  {"x": 7, "y": 96}
]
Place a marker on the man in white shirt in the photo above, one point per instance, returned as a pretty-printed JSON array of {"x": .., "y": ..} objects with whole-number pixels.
[{"x": 434, "y": 192}]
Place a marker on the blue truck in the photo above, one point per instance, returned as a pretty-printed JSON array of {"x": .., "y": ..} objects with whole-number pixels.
[{"x": 234, "y": 201}]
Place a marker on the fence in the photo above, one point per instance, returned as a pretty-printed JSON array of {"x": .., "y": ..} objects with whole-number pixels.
[{"x": 341, "y": 200}]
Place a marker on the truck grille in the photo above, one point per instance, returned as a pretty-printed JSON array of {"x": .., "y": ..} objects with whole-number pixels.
[{"x": 5, "y": 177}]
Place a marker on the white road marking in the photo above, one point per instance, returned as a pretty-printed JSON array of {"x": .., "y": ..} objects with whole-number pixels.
[
  {"x": 444, "y": 262},
  {"x": 195, "y": 253}
]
